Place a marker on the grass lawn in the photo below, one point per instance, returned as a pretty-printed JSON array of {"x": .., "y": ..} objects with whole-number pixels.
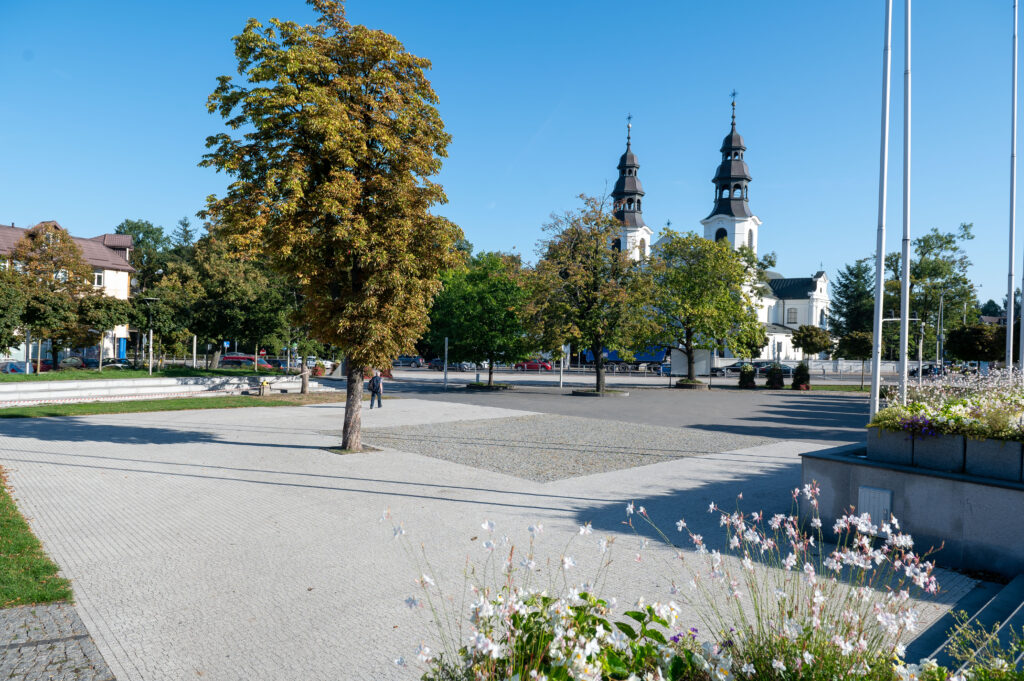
[
  {"x": 94, "y": 374},
  {"x": 27, "y": 575},
  {"x": 132, "y": 406}
]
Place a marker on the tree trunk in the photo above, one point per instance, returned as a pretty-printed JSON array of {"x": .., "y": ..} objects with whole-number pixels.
[
  {"x": 598, "y": 367},
  {"x": 54, "y": 351},
  {"x": 490, "y": 372},
  {"x": 691, "y": 370},
  {"x": 304, "y": 373},
  {"x": 352, "y": 435},
  {"x": 103, "y": 338}
]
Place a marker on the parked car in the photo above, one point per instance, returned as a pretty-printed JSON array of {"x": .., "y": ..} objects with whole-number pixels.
[
  {"x": 116, "y": 364},
  {"x": 414, "y": 361},
  {"x": 926, "y": 370},
  {"x": 437, "y": 364},
  {"x": 533, "y": 365},
  {"x": 665, "y": 369},
  {"x": 732, "y": 369},
  {"x": 72, "y": 362},
  {"x": 235, "y": 360},
  {"x": 763, "y": 366},
  {"x": 12, "y": 367}
]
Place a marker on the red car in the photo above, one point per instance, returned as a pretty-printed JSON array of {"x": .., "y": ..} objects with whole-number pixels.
[
  {"x": 238, "y": 360},
  {"x": 534, "y": 365}
]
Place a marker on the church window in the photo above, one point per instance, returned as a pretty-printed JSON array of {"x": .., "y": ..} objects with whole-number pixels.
[
  {"x": 643, "y": 248},
  {"x": 791, "y": 315},
  {"x": 750, "y": 238},
  {"x": 737, "y": 191},
  {"x": 638, "y": 204},
  {"x": 721, "y": 234},
  {"x": 822, "y": 321}
]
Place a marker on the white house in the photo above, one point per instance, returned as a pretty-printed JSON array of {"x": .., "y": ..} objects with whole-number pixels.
[{"x": 109, "y": 255}]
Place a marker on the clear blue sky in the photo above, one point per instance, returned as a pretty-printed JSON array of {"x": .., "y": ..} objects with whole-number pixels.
[{"x": 104, "y": 117}]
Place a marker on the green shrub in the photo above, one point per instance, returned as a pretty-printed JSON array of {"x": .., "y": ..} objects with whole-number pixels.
[
  {"x": 747, "y": 377},
  {"x": 775, "y": 380},
  {"x": 802, "y": 377}
]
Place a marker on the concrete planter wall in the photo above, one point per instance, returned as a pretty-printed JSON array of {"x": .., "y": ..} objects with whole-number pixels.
[
  {"x": 890, "y": 446},
  {"x": 940, "y": 453},
  {"x": 998, "y": 459}
]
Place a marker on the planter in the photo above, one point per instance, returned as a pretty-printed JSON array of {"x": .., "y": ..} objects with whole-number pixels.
[
  {"x": 940, "y": 453},
  {"x": 999, "y": 459},
  {"x": 484, "y": 387},
  {"x": 692, "y": 386},
  {"x": 890, "y": 446},
  {"x": 594, "y": 393}
]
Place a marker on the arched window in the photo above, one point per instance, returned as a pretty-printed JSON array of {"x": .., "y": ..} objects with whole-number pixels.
[
  {"x": 724, "y": 194},
  {"x": 737, "y": 191},
  {"x": 629, "y": 204},
  {"x": 721, "y": 234},
  {"x": 643, "y": 249},
  {"x": 638, "y": 204},
  {"x": 750, "y": 239},
  {"x": 822, "y": 320}
]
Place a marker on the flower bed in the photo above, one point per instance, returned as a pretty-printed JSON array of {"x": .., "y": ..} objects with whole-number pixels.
[{"x": 776, "y": 604}]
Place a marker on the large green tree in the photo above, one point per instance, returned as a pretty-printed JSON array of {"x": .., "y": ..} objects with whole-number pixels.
[
  {"x": 334, "y": 139},
  {"x": 149, "y": 249},
  {"x": 12, "y": 308},
  {"x": 54, "y": 277},
  {"x": 700, "y": 297},
  {"x": 586, "y": 292},
  {"x": 481, "y": 312},
  {"x": 100, "y": 314},
  {"x": 984, "y": 342},
  {"x": 853, "y": 299}
]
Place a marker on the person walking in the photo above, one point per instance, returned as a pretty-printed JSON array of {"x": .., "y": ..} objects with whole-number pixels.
[{"x": 376, "y": 387}]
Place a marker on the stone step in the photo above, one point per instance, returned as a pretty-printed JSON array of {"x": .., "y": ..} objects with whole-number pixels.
[{"x": 991, "y": 606}]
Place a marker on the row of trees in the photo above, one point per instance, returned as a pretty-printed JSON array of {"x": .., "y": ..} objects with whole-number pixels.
[{"x": 583, "y": 292}]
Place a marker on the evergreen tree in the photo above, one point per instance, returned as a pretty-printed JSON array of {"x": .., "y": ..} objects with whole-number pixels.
[
  {"x": 991, "y": 309},
  {"x": 853, "y": 299},
  {"x": 184, "y": 236}
]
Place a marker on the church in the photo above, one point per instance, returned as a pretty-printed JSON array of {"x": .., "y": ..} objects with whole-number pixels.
[{"x": 787, "y": 304}]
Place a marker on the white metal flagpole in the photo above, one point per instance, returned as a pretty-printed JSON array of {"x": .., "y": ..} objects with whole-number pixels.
[
  {"x": 1013, "y": 206},
  {"x": 883, "y": 174},
  {"x": 905, "y": 261}
]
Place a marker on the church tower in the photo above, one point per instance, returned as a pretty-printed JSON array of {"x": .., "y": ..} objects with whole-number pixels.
[
  {"x": 731, "y": 218},
  {"x": 635, "y": 237}
]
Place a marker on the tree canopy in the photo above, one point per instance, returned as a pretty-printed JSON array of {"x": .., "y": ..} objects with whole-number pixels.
[
  {"x": 853, "y": 299},
  {"x": 332, "y": 181},
  {"x": 811, "y": 339},
  {"x": 700, "y": 297}
]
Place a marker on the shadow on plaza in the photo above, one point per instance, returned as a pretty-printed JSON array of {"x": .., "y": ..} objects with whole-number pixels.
[
  {"x": 800, "y": 419},
  {"x": 73, "y": 429}
]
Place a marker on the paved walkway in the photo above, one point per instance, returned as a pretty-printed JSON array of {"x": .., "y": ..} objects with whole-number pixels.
[
  {"x": 228, "y": 544},
  {"x": 48, "y": 642}
]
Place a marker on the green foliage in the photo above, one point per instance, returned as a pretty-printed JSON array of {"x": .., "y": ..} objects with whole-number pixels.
[
  {"x": 583, "y": 290},
  {"x": 855, "y": 345},
  {"x": 774, "y": 376},
  {"x": 811, "y": 339},
  {"x": 699, "y": 297},
  {"x": 27, "y": 575},
  {"x": 331, "y": 181},
  {"x": 992, "y": 309},
  {"x": 747, "y": 375},
  {"x": 13, "y": 299},
  {"x": 802, "y": 377},
  {"x": 149, "y": 249},
  {"x": 853, "y": 299},
  {"x": 985, "y": 342},
  {"x": 481, "y": 311}
]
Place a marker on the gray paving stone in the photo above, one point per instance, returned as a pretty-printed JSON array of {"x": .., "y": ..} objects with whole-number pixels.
[
  {"x": 229, "y": 544},
  {"x": 44, "y": 642}
]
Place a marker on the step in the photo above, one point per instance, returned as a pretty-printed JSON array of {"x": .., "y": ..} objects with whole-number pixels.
[{"x": 990, "y": 605}]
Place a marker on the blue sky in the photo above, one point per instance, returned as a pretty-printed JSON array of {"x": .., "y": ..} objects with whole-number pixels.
[{"x": 104, "y": 113}]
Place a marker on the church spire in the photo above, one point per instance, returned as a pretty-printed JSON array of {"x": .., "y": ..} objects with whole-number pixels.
[
  {"x": 733, "y": 175},
  {"x": 627, "y": 192}
]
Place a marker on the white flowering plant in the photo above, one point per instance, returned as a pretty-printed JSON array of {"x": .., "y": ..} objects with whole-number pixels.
[
  {"x": 977, "y": 406},
  {"x": 776, "y": 602}
]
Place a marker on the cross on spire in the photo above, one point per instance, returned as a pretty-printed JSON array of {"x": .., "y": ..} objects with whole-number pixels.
[
  {"x": 629, "y": 128},
  {"x": 733, "y": 95}
]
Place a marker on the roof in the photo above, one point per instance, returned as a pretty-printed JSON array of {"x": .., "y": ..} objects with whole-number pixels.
[
  {"x": 94, "y": 252},
  {"x": 115, "y": 240},
  {"x": 737, "y": 208},
  {"x": 790, "y": 289}
]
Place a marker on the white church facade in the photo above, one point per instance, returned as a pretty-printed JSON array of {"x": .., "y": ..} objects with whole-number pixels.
[{"x": 786, "y": 303}]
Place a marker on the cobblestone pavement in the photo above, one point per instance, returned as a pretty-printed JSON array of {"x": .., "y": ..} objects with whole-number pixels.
[
  {"x": 43, "y": 642},
  {"x": 546, "y": 447},
  {"x": 228, "y": 544}
]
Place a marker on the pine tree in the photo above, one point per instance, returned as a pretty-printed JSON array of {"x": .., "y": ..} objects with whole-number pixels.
[{"x": 853, "y": 299}]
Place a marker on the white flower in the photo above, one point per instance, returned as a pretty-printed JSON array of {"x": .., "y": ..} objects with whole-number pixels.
[
  {"x": 747, "y": 669},
  {"x": 629, "y": 508},
  {"x": 779, "y": 664},
  {"x": 900, "y": 650},
  {"x": 423, "y": 653},
  {"x": 748, "y": 564},
  {"x": 680, "y": 524},
  {"x": 528, "y": 563},
  {"x": 568, "y": 562},
  {"x": 425, "y": 581},
  {"x": 816, "y": 523},
  {"x": 400, "y": 662},
  {"x": 535, "y": 529},
  {"x": 711, "y": 507},
  {"x": 487, "y": 525},
  {"x": 790, "y": 561},
  {"x": 642, "y": 511},
  {"x": 586, "y": 528},
  {"x": 488, "y": 545},
  {"x": 808, "y": 658}
]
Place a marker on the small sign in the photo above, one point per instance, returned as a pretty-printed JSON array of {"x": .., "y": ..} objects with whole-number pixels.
[
  {"x": 263, "y": 351},
  {"x": 227, "y": 344}
]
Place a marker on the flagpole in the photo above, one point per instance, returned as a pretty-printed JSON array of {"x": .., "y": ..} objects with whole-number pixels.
[
  {"x": 1013, "y": 206},
  {"x": 876, "y": 347},
  {"x": 905, "y": 261}
]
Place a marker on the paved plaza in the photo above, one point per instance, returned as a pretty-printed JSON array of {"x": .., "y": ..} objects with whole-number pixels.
[{"x": 230, "y": 544}]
